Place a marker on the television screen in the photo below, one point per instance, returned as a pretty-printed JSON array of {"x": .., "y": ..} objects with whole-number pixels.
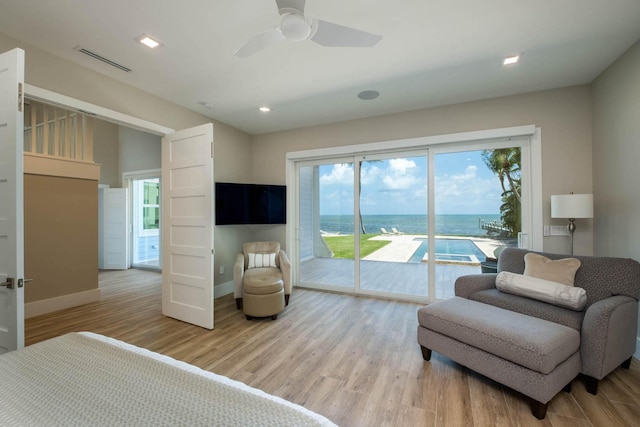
[{"x": 250, "y": 204}]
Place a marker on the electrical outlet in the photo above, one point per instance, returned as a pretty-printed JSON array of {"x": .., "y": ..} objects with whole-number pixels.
[
  {"x": 545, "y": 231},
  {"x": 222, "y": 269},
  {"x": 559, "y": 230}
]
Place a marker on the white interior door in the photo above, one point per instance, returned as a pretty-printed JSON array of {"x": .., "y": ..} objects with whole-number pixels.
[
  {"x": 11, "y": 201},
  {"x": 187, "y": 225},
  {"x": 113, "y": 228}
]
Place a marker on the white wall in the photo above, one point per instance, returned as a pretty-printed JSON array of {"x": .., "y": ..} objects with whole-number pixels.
[{"x": 616, "y": 151}]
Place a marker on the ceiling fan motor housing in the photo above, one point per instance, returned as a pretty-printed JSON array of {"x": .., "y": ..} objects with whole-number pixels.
[{"x": 295, "y": 26}]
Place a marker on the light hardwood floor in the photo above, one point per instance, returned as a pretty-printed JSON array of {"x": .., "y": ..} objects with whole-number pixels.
[{"x": 354, "y": 360}]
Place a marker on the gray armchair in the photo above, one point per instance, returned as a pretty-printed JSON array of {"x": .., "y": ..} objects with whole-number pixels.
[{"x": 608, "y": 323}]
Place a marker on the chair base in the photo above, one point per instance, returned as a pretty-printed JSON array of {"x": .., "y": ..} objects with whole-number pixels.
[
  {"x": 263, "y": 305},
  {"x": 274, "y": 317}
]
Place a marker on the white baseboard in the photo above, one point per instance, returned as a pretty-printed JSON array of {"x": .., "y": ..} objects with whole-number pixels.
[
  {"x": 45, "y": 306},
  {"x": 223, "y": 289}
]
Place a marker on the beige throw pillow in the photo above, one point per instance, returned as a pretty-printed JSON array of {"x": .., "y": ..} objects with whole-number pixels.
[
  {"x": 559, "y": 270},
  {"x": 542, "y": 290}
]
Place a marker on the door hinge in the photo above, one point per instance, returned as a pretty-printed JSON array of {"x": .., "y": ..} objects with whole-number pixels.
[
  {"x": 20, "y": 97},
  {"x": 212, "y": 149}
]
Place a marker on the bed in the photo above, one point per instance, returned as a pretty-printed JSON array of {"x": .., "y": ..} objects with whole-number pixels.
[{"x": 89, "y": 379}]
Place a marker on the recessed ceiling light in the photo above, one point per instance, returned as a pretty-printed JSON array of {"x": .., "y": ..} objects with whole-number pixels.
[
  {"x": 511, "y": 60},
  {"x": 264, "y": 109},
  {"x": 368, "y": 94},
  {"x": 148, "y": 41}
]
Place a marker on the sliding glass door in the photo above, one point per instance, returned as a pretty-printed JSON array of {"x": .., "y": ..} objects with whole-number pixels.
[
  {"x": 477, "y": 208},
  {"x": 325, "y": 230},
  {"x": 407, "y": 224},
  {"x": 393, "y": 224}
]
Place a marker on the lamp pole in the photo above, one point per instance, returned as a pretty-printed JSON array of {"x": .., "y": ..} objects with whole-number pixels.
[{"x": 572, "y": 228}]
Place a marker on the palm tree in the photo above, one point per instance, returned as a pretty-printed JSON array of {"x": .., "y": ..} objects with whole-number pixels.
[
  {"x": 362, "y": 228},
  {"x": 506, "y": 164}
]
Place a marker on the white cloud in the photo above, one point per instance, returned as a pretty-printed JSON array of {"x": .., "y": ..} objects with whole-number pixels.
[
  {"x": 400, "y": 166},
  {"x": 341, "y": 173},
  {"x": 467, "y": 192},
  {"x": 400, "y": 174}
]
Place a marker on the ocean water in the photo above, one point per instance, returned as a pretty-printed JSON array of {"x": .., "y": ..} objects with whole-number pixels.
[{"x": 453, "y": 225}]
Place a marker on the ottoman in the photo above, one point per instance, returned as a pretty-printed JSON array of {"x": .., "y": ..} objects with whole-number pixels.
[
  {"x": 536, "y": 357},
  {"x": 263, "y": 296}
]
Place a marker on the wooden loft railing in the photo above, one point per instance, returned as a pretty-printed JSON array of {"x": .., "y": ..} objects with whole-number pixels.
[{"x": 54, "y": 132}]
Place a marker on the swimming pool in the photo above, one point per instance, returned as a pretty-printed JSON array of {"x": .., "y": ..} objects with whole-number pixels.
[{"x": 450, "y": 250}]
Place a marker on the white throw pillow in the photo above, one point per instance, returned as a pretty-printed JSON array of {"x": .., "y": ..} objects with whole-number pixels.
[
  {"x": 261, "y": 260},
  {"x": 542, "y": 290}
]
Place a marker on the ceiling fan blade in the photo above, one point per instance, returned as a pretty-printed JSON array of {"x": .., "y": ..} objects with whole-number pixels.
[
  {"x": 290, "y": 4},
  {"x": 334, "y": 35},
  {"x": 260, "y": 41}
]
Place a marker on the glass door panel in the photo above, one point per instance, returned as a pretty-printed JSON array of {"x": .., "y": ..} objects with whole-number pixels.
[
  {"x": 325, "y": 229},
  {"x": 477, "y": 210},
  {"x": 146, "y": 223},
  {"x": 393, "y": 225}
]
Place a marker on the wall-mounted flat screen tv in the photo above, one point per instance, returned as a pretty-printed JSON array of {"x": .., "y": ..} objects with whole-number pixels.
[{"x": 250, "y": 204}]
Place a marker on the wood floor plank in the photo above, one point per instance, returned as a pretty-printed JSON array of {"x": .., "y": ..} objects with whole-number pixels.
[
  {"x": 598, "y": 409},
  {"x": 353, "y": 360},
  {"x": 488, "y": 404}
]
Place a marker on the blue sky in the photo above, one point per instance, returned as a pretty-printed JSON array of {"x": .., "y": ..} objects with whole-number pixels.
[{"x": 397, "y": 186}]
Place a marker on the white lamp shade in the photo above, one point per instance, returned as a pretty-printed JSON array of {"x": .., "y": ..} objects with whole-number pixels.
[{"x": 572, "y": 206}]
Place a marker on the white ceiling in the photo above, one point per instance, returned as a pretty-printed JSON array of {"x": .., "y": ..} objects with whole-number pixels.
[{"x": 433, "y": 52}]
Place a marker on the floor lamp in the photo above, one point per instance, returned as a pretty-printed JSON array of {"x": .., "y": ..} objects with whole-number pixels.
[{"x": 572, "y": 206}]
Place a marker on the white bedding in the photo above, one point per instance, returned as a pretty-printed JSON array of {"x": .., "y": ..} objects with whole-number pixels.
[{"x": 86, "y": 379}]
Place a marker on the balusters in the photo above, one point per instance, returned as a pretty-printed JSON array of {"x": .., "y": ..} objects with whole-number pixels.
[{"x": 67, "y": 135}]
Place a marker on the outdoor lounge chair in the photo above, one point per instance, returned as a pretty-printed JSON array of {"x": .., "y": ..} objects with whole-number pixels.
[
  {"x": 395, "y": 231},
  {"x": 384, "y": 231}
]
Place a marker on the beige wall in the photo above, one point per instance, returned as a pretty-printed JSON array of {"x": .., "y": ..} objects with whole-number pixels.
[
  {"x": 61, "y": 236},
  {"x": 616, "y": 152},
  {"x": 105, "y": 151},
  {"x": 564, "y": 115},
  {"x": 232, "y": 147},
  {"x": 138, "y": 151}
]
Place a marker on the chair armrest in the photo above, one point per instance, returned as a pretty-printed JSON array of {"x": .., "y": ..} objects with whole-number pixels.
[
  {"x": 285, "y": 267},
  {"x": 238, "y": 275},
  {"x": 608, "y": 335},
  {"x": 472, "y": 283}
]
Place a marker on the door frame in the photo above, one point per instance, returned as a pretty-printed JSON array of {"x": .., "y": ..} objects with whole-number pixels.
[
  {"x": 531, "y": 154},
  {"x": 127, "y": 182}
]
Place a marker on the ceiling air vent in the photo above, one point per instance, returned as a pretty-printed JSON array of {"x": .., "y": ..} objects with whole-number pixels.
[{"x": 102, "y": 58}]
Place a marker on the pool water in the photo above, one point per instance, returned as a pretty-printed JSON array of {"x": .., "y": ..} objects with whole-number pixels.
[{"x": 457, "y": 250}]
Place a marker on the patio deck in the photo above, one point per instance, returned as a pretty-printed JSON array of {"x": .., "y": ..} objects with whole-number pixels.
[
  {"x": 384, "y": 276},
  {"x": 387, "y": 269}
]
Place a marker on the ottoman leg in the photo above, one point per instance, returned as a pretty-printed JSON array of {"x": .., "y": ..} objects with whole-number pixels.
[
  {"x": 539, "y": 410},
  {"x": 626, "y": 364},
  {"x": 426, "y": 353}
]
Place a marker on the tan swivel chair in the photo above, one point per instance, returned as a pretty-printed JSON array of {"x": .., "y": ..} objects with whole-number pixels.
[{"x": 262, "y": 279}]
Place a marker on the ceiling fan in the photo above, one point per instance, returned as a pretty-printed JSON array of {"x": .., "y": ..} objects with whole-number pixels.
[{"x": 294, "y": 25}]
